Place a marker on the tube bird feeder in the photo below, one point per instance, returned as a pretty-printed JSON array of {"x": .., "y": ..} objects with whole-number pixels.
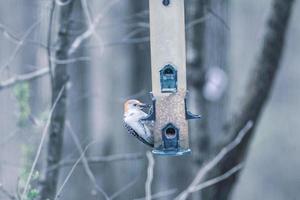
[{"x": 169, "y": 89}]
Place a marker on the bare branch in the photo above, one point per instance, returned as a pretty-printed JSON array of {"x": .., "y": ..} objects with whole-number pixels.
[
  {"x": 123, "y": 189},
  {"x": 218, "y": 179},
  {"x": 23, "y": 78},
  {"x": 57, "y": 196},
  {"x": 8, "y": 34},
  {"x": 86, "y": 11},
  {"x": 197, "y": 21},
  {"x": 38, "y": 73},
  {"x": 133, "y": 33},
  {"x": 201, "y": 174},
  {"x": 160, "y": 194},
  {"x": 19, "y": 45},
  {"x": 102, "y": 159},
  {"x": 219, "y": 18},
  {"x": 257, "y": 89},
  {"x": 44, "y": 134},
  {"x": 149, "y": 180},
  {"x": 70, "y": 60},
  {"x": 92, "y": 28},
  {"x": 85, "y": 161}
]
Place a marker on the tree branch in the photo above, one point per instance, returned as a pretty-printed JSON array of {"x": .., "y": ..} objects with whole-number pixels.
[
  {"x": 85, "y": 162},
  {"x": 123, "y": 189},
  {"x": 57, "y": 195},
  {"x": 202, "y": 173},
  {"x": 258, "y": 88},
  {"x": 92, "y": 25},
  {"x": 23, "y": 78},
  {"x": 19, "y": 46},
  {"x": 159, "y": 195},
  {"x": 218, "y": 179},
  {"x": 8, "y": 34},
  {"x": 101, "y": 159}
]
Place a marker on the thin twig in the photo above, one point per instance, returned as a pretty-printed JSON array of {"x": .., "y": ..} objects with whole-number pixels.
[
  {"x": 149, "y": 180},
  {"x": 86, "y": 11},
  {"x": 102, "y": 159},
  {"x": 19, "y": 45},
  {"x": 85, "y": 161},
  {"x": 258, "y": 88},
  {"x": 41, "y": 143},
  {"x": 38, "y": 73},
  {"x": 214, "y": 162},
  {"x": 70, "y": 60},
  {"x": 219, "y": 18},
  {"x": 197, "y": 21},
  {"x": 133, "y": 33},
  {"x": 91, "y": 29},
  {"x": 71, "y": 172},
  {"x": 125, "y": 20},
  {"x": 160, "y": 194},
  {"x": 8, "y": 34},
  {"x": 218, "y": 179},
  {"x": 24, "y": 77},
  {"x": 123, "y": 189}
]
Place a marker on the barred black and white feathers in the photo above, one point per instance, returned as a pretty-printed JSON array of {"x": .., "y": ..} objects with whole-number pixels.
[{"x": 133, "y": 115}]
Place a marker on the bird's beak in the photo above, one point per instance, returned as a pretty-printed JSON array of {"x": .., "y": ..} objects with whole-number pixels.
[{"x": 142, "y": 105}]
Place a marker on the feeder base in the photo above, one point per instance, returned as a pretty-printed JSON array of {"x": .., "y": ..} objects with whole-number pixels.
[{"x": 179, "y": 152}]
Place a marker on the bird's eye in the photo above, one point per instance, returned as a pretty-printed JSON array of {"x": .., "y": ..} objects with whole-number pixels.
[{"x": 135, "y": 104}]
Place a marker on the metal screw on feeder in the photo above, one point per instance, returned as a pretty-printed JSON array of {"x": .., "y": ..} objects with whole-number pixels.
[{"x": 169, "y": 91}]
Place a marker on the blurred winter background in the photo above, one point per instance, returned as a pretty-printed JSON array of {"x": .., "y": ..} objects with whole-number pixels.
[{"x": 113, "y": 66}]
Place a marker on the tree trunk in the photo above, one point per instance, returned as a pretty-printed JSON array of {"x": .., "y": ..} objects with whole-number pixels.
[
  {"x": 59, "y": 80},
  {"x": 257, "y": 91},
  {"x": 78, "y": 115}
]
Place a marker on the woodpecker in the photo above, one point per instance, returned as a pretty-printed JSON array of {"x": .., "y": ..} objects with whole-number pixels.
[{"x": 133, "y": 115}]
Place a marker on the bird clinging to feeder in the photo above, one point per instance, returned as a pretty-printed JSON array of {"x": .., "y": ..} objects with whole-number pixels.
[
  {"x": 169, "y": 113},
  {"x": 133, "y": 115}
]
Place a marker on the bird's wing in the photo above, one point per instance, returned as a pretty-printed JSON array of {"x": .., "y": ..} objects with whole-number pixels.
[
  {"x": 149, "y": 124},
  {"x": 134, "y": 133}
]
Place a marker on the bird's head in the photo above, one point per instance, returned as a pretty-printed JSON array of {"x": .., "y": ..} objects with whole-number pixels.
[{"x": 134, "y": 104}]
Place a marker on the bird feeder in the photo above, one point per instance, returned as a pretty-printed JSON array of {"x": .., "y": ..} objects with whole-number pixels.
[{"x": 169, "y": 90}]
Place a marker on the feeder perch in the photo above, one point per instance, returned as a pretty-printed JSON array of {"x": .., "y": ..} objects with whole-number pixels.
[{"x": 168, "y": 66}]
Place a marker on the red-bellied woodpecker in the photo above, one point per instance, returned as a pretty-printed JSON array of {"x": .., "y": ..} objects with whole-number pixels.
[{"x": 133, "y": 115}]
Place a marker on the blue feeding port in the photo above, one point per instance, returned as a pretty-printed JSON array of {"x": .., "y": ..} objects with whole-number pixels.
[
  {"x": 170, "y": 142},
  {"x": 170, "y": 137},
  {"x": 168, "y": 79}
]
